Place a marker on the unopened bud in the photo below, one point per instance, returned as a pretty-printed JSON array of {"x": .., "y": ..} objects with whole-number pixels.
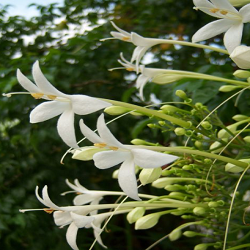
[
  {"x": 244, "y": 74},
  {"x": 228, "y": 88},
  {"x": 190, "y": 234},
  {"x": 148, "y": 175},
  {"x": 115, "y": 174},
  {"x": 239, "y": 118},
  {"x": 180, "y": 131},
  {"x": 174, "y": 187},
  {"x": 116, "y": 110},
  {"x": 169, "y": 108},
  {"x": 199, "y": 211},
  {"x": 202, "y": 246},
  {"x": 215, "y": 147},
  {"x": 241, "y": 56},
  {"x": 235, "y": 169},
  {"x": 86, "y": 153},
  {"x": 213, "y": 204},
  {"x": 147, "y": 221},
  {"x": 165, "y": 78},
  {"x": 198, "y": 144},
  {"x": 135, "y": 214},
  {"x": 238, "y": 3},
  {"x": 207, "y": 125},
  {"x": 175, "y": 235},
  {"x": 247, "y": 139},
  {"x": 142, "y": 142},
  {"x": 163, "y": 182},
  {"x": 181, "y": 94}
]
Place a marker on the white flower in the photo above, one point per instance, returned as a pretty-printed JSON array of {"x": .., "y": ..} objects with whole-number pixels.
[
  {"x": 241, "y": 56},
  {"x": 74, "y": 216},
  {"x": 231, "y": 21},
  {"x": 58, "y": 104},
  {"x": 142, "y": 44},
  {"x": 118, "y": 153}
]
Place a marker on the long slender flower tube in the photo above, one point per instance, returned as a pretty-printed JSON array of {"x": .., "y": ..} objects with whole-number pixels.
[
  {"x": 231, "y": 22},
  {"x": 118, "y": 153},
  {"x": 58, "y": 104}
]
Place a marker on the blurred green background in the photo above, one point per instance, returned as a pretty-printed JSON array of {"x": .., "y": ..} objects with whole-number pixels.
[{"x": 77, "y": 62}]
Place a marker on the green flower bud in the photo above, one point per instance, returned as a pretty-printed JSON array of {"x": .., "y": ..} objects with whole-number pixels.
[
  {"x": 115, "y": 174},
  {"x": 169, "y": 108},
  {"x": 190, "y": 234},
  {"x": 135, "y": 214},
  {"x": 175, "y": 235},
  {"x": 202, "y": 246},
  {"x": 224, "y": 134},
  {"x": 177, "y": 195},
  {"x": 216, "y": 145},
  {"x": 151, "y": 125},
  {"x": 181, "y": 94},
  {"x": 235, "y": 169},
  {"x": 142, "y": 142},
  {"x": 174, "y": 187},
  {"x": 163, "y": 182},
  {"x": 213, "y": 204},
  {"x": 189, "y": 133},
  {"x": 207, "y": 125},
  {"x": 187, "y": 167},
  {"x": 247, "y": 139},
  {"x": 166, "y": 78},
  {"x": 198, "y": 144},
  {"x": 147, "y": 221},
  {"x": 208, "y": 161},
  {"x": 148, "y": 175},
  {"x": 244, "y": 74},
  {"x": 116, "y": 110},
  {"x": 187, "y": 217},
  {"x": 180, "y": 211},
  {"x": 199, "y": 211},
  {"x": 238, "y": 3},
  {"x": 86, "y": 153},
  {"x": 199, "y": 105},
  {"x": 180, "y": 131},
  {"x": 228, "y": 88},
  {"x": 161, "y": 123}
]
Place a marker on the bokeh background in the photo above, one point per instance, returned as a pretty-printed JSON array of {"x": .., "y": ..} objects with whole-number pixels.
[{"x": 65, "y": 37}]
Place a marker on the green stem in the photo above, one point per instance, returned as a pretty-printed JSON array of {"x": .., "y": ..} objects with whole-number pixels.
[
  {"x": 239, "y": 247},
  {"x": 197, "y": 152},
  {"x": 196, "y": 45},
  {"x": 150, "y": 112}
]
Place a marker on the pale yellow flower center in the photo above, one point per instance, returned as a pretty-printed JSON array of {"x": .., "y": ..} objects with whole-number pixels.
[
  {"x": 126, "y": 38},
  {"x": 103, "y": 145},
  {"x": 40, "y": 95},
  {"x": 49, "y": 210}
]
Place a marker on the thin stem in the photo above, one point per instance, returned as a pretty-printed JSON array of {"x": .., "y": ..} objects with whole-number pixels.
[
  {"x": 150, "y": 112},
  {"x": 239, "y": 247}
]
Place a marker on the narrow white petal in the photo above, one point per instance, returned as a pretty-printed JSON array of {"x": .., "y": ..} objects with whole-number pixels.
[
  {"x": 205, "y": 6},
  {"x": 26, "y": 83},
  {"x": 120, "y": 30},
  {"x": 62, "y": 218},
  {"x": 245, "y": 13},
  {"x": 143, "y": 41},
  {"x": 145, "y": 158},
  {"x": 108, "y": 159},
  {"x": 127, "y": 179},
  {"x": 105, "y": 133},
  {"x": 97, "y": 231},
  {"x": 224, "y": 5},
  {"x": 212, "y": 29},
  {"x": 43, "y": 84},
  {"x": 66, "y": 129},
  {"x": 81, "y": 220},
  {"x": 89, "y": 134},
  {"x": 140, "y": 83},
  {"x": 47, "y": 199},
  {"x": 39, "y": 197},
  {"x": 232, "y": 38},
  {"x": 47, "y": 110},
  {"x": 71, "y": 236},
  {"x": 76, "y": 188},
  {"x": 82, "y": 199},
  {"x": 83, "y": 104}
]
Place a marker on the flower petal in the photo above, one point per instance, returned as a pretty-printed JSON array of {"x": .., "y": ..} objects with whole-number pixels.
[
  {"x": 47, "y": 110},
  {"x": 141, "y": 41},
  {"x": 232, "y": 38},
  {"x": 77, "y": 188},
  {"x": 82, "y": 199},
  {"x": 145, "y": 158},
  {"x": 62, "y": 218},
  {"x": 43, "y": 84},
  {"x": 125, "y": 33},
  {"x": 81, "y": 220},
  {"x": 66, "y": 129},
  {"x": 140, "y": 83},
  {"x": 89, "y": 134},
  {"x": 224, "y": 5},
  {"x": 105, "y": 133},
  {"x": 212, "y": 29},
  {"x": 71, "y": 236},
  {"x": 108, "y": 159},
  {"x": 127, "y": 179},
  {"x": 83, "y": 104},
  {"x": 205, "y": 6},
  {"x": 26, "y": 83},
  {"x": 97, "y": 232},
  {"x": 241, "y": 56},
  {"x": 245, "y": 13}
]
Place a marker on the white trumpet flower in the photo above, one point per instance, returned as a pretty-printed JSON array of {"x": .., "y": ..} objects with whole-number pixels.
[
  {"x": 118, "y": 153},
  {"x": 231, "y": 22},
  {"x": 58, "y": 104}
]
